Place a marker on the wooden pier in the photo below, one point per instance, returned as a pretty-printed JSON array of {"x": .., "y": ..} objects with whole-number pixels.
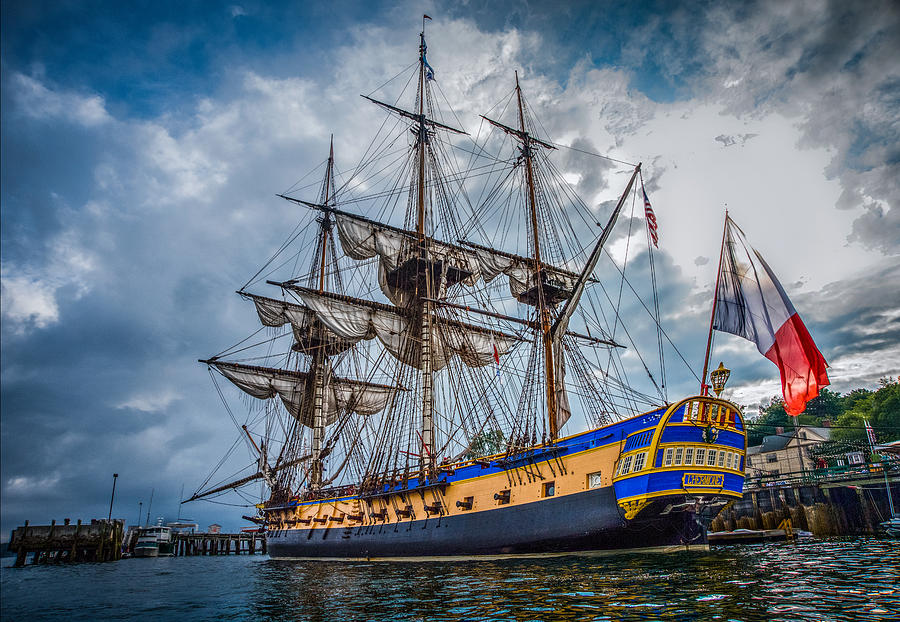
[
  {"x": 187, "y": 544},
  {"x": 845, "y": 503},
  {"x": 99, "y": 541}
]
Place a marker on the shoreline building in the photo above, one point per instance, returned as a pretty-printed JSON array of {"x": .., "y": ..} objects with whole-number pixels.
[{"x": 781, "y": 453}]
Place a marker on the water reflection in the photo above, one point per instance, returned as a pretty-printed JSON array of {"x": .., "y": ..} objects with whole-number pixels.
[
  {"x": 848, "y": 579},
  {"x": 834, "y": 580}
]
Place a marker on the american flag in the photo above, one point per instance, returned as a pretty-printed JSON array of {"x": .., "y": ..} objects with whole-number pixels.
[
  {"x": 651, "y": 220},
  {"x": 870, "y": 433}
]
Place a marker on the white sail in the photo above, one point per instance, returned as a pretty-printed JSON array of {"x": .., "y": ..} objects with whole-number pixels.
[
  {"x": 295, "y": 391},
  {"x": 275, "y": 313},
  {"x": 307, "y": 339},
  {"x": 520, "y": 271},
  {"x": 363, "y": 239},
  {"x": 563, "y": 410},
  {"x": 359, "y": 320}
]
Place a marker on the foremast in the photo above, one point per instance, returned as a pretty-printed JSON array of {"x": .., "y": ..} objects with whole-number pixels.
[{"x": 315, "y": 397}]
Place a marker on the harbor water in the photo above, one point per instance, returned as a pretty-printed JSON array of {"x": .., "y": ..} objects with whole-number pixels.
[{"x": 837, "y": 579}]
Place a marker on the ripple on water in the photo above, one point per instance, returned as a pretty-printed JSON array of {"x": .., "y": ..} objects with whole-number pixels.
[{"x": 819, "y": 580}]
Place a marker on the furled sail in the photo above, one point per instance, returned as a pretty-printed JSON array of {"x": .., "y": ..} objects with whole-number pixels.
[
  {"x": 309, "y": 334},
  {"x": 563, "y": 410},
  {"x": 556, "y": 283},
  {"x": 363, "y": 239},
  {"x": 354, "y": 319},
  {"x": 275, "y": 313},
  {"x": 295, "y": 389},
  {"x": 398, "y": 252}
]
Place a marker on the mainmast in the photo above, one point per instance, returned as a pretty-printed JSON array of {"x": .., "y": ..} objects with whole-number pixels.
[
  {"x": 542, "y": 306},
  {"x": 426, "y": 460},
  {"x": 326, "y": 217},
  {"x": 320, "y": 363}
]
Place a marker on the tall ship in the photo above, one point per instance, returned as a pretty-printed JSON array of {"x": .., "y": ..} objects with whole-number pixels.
[{"x": 442, "y": 363}]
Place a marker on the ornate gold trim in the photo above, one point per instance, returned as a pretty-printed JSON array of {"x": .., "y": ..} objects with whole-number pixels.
[{"x": 632, "y": 508}]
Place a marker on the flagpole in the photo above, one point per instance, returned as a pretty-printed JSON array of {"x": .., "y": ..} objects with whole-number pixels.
[
  {"x": 870, "y": 436},
  {"x": 704, "y": 388}
]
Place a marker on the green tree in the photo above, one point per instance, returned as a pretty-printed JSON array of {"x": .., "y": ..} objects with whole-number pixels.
[
  {"x": 853, "y": 397},
  {"x": 485, "y": 443},
  {"x": 827, "y": 405},
  {"x": 880, "y": 408}
]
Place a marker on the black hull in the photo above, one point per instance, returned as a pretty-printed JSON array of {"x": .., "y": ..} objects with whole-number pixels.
[{"x": 588, "y": 521}]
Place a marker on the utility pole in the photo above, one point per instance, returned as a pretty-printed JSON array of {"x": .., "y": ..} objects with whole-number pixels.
[
  {"x": 149, "y": 505},
  {"x": 796, "y": 420},
  {"x": 112, "y": 498}
]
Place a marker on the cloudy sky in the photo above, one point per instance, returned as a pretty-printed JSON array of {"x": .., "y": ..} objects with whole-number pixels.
[{"x": 143, "y": 143}]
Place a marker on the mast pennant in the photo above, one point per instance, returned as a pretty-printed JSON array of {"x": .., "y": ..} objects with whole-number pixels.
[{"x": 751, "y": 303}]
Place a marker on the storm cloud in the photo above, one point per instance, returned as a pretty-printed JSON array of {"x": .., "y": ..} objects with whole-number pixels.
[{"x": 142, "y": 148}]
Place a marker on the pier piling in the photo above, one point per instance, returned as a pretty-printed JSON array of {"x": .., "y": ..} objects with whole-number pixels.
[
  {"x": 850, "y": 505},
  {"x": 189, "y": 544}
]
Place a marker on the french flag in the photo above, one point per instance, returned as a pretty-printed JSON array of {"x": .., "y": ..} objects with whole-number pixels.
[{"x": 751, "y": 303}]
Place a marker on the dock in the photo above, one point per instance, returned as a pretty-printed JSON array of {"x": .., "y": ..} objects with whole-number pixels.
[
  {"x": 98, "y": 541},
  {"x": 849, "y": 500},
  {"x": 188, "y": 544},
  {"x": 750, "y": 536}
]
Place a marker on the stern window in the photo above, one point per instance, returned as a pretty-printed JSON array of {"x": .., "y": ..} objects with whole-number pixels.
[
  {"x": 639, "y": 461},
  {"x": 678, "y": 454},
  {"x": 730, "y": 460},
  {"x": 668, "y": 460},
  {"x": 701, "y": 454},
  {"x": 711, "y": 459},
  {"x": 688, "y": 455},
  {"x": 626, "y": 466},
  {"x": 722, "y": 458}
]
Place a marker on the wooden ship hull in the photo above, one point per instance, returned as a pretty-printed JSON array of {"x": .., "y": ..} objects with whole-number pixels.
[{"x": 572, "y": 495}]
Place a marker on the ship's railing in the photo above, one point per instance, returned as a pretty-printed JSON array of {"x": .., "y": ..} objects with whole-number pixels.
[
  {"x": 329, "y": 493},
  {"x": 703, "y": 411}
]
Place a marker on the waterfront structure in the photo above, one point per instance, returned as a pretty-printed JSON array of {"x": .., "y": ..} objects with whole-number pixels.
[
  {"x": 446, "y": 407},
  {"x": 834, "y": 501},
  {"x": 182, "y": 525},
  {"x": 98, "y": 541},
  {"x": 787, "y": 452}
]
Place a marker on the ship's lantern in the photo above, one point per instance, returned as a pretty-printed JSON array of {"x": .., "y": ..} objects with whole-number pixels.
[{"x": 719, "y": 377}]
